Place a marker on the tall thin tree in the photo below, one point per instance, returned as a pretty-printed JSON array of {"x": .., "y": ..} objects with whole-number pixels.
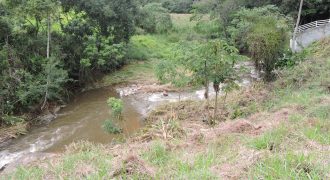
[{"x": 297, "y": 25}]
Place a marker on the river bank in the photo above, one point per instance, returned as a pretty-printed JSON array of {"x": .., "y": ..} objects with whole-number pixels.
[
  {"x": 82, "y": 119},
  {"x": 262, "y": 128}
]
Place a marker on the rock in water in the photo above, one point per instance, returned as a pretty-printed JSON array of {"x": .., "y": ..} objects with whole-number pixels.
[{"x": 165, "y": 93}]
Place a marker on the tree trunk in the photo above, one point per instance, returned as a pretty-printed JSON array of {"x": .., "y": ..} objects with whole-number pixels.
[
  {"x": 206, "y": 85},
  {"x": 48, "y": 55},
  {"x": 48, "y": 36},
  {"x": 215, "y": 104},
  {"x": 8, "y": 57},
  {"x": 297, "y": 25}
]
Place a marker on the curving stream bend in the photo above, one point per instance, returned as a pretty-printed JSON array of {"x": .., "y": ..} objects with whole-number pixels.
[{"x": 82, "y": 119}]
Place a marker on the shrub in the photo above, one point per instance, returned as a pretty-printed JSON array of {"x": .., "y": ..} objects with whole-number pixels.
[
  {"x": 265, "y": 44},
  {"x": 155, "y": 19},
  {"x": 290, "y": 59},
  {"x": 110, "y": 127},
  {"x": 116, "y": 106}
]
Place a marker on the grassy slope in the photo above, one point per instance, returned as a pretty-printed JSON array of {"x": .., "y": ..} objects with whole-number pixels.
[
  {"x": 277, "y": 131},
  {"x": 151, "y": 49}
]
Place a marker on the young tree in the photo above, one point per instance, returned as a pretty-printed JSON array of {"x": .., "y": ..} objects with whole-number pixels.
[
  {"x": 209, "y": 62},
  {"x": 221, "y": 59},
  {"x": 265, "y": 44}
]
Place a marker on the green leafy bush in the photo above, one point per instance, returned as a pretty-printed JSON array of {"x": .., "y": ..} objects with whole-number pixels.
[
  {"x": 290, "y": 59},
  {"x": 155, "y": 19},
  {"x": 110, "y": 127},
  {"x": 116, "y": 106}
]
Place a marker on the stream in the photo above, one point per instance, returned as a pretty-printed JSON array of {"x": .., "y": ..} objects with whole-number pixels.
[{"x": 83, "y": 117}]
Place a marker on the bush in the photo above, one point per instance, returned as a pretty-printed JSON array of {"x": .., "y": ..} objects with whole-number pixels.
[
  {"x": 290, "y": 59},
  {"x": 265, "y": 44},
  {"x": 155, "y": 19},
  {"x": 116, "y": 106},
  {"x": 110, "y": 127}
]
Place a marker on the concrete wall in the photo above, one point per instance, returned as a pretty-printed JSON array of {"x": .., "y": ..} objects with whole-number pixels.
[{"x": 309, "y": 36}]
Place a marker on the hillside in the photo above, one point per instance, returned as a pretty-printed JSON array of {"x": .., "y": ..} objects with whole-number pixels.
[{"x": 278, "y": 131}]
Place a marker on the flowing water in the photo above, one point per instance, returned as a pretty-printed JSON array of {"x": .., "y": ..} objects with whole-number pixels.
[{"x": 82, "y": 119}]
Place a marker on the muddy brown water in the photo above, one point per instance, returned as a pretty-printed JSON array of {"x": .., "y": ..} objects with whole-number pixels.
[{"x": 81, "y": 119}]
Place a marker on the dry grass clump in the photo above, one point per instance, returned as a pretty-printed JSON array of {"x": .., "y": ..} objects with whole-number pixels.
[
  {"x": 236, "y": 104},
  {"x": 7, "y": 133},
  {"x": 133, "y": 167}
]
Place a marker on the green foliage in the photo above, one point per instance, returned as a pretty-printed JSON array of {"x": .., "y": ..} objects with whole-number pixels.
[
  {"x": 87, "y": 37},
  {"x": 312, "y": 9},
  {"x": 265, "y": 43},
  {"x": 245, "y": 20},
  {"x": 209, "y": 28},
  {"x": 155, "y": 19},
  {"x": 169, "y": 72},
  {"x": 111, "y": 128},
  {"x": 49, "y": 88},
  {"x": 116, "y": 106},
  {"x": 263, "y": 33},
  {"x": 103, "y": 54},
  {"x": 290, "y": 59},
  {"x": 178, "y": 6},
  {"x": 12, "y": 120}
]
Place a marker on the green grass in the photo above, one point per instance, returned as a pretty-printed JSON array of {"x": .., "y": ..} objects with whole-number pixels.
[
  {"x": 157, "y": 155},
  {"x": 170, "y": 165},
  {"x": 270, "y": 140},
  {"x": 287, "y": 166},
  {"x": 143, "y": 47},
  {"x": 199, "y": 169},
  {"x": 132, "y": 73},
  {"x": 83, "y": 160}
]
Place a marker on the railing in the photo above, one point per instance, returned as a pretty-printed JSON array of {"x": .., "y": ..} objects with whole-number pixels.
[{"x": 314, "y": 24}]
